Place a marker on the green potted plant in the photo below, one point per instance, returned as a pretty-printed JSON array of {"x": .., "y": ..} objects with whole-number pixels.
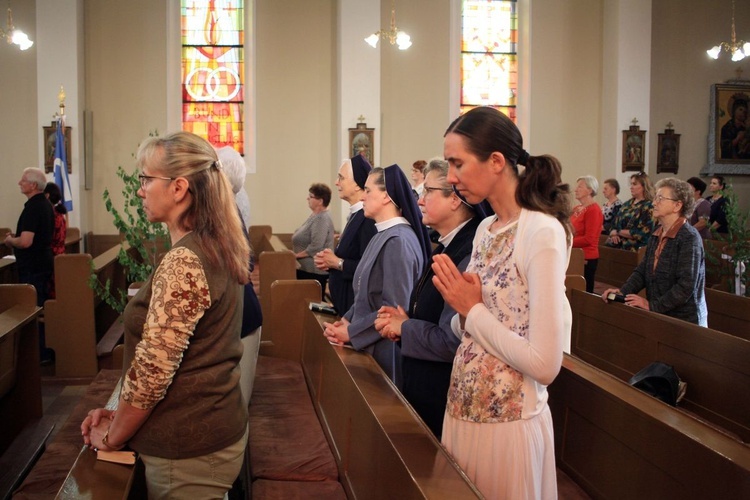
[{"x": 143, "y": 242}]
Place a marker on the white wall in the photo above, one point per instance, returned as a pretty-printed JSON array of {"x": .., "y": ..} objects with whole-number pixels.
[{"x": 574, "y": 81}]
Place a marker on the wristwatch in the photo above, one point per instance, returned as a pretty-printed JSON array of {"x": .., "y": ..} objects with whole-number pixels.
[{"x": 341, "y": 264}]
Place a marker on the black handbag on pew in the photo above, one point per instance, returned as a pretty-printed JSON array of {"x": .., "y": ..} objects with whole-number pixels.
[{"x": 661, "y": 381}]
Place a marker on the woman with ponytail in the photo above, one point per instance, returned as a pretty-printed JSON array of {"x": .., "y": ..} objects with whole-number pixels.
[
  {"x": 180, "y": 405},
  {"x": 513, "y": 316}
]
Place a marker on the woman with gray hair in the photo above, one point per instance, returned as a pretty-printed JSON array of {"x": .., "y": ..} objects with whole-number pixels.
[
  {"x": 587, "y": 219},
  {"x": 673, "y": 271},
  {"x": 234, "y": 168},
  {"x": 428, "y": 344}
]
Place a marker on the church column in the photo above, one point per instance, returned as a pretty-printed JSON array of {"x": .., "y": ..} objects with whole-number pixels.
[{"x": 626, "y": 82}]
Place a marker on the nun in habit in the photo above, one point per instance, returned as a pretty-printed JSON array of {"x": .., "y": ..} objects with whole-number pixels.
[
  {"x": 342, "y": 262},
  {"x": 392, "y": 263}
]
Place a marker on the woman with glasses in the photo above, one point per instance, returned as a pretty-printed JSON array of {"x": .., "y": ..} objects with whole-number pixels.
[
  {"x": 314, "y": 235},
  {"x": 428, "y": 345},
  {"x": 673, "y": 270},
  {"x": 634, "y": 221},
  {"x": 181, "y": 406},
  {"x": 389, "y": 268}
]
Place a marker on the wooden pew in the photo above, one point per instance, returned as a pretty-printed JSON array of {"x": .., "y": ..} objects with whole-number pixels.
[
  {"x": 73, "y": 240},
  {"x": 8, "y": 271},
  {"x": 617, "y": 442},
  {"x": 622, "y": 340},
  {"x": 575, "y": 266},
  {"x": 615, "y": 265},
  {"x": 78, "y": 321},
  {"x": 275, "y": 262},
  {"x": 373, "y": 431},
  {"x": 381, "y": 447},
  {"x": 728, "y": 313},
  {"x": 24, "y": 430},
  {"x": 69, "y": 470}
]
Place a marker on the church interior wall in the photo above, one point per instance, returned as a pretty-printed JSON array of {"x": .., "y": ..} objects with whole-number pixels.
[{"x": 296, "y": 109}]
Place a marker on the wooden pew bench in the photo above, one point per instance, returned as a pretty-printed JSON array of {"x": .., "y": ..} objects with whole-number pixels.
[
  {"x": 73, "y": 240},
  {"x": 577, "y": 262},
  {"x": 380, "y": 448},
  {"x": 24, "y": 429},
  {"x": 622, "y": 340},
  {"x": 728, "y": 313},
  {"x": 615, "y": 265},
  {"x": 80, "y": 327},
  {"x": 69, "y": 470},
  {"x": 620, "y": 443},
  {"x": 275, "y": 262}
]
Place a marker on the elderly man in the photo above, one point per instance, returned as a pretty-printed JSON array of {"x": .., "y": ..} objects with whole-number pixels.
[{"x": 32, "y": 241}]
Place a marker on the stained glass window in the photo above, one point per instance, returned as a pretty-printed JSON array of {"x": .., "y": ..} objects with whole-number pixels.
[
  {"x": 213, "y": 70},
  {"x": 489, "y": 66}
]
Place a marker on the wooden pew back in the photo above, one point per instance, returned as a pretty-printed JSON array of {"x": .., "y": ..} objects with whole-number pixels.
[
  {"x": 575, "y": 266},
  {"x": 73, "y": 240},
  {"x": 615, "y": 265},
  {"x": 284, "y": 324},
  {"x": 20, "y": 376},
  {"x": 77, "y": 319},
  {"x": 622, "y": 340},
  {"x": 382, "y": 448},
  {"x": 728, "y": 313},
  {"x": 617, "y": 442}
]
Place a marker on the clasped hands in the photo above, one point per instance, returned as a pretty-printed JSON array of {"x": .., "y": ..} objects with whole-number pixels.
[
  {"x": 337, "y": 332},
  {"x": 461, "y": 291},
  {"x": 95, "y": 426},
  {"x": 389, "y": 321},
  {"x": 326, "y": 259}
]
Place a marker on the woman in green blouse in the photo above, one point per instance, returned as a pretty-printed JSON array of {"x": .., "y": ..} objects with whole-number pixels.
[{"x": 634, "y": 221}]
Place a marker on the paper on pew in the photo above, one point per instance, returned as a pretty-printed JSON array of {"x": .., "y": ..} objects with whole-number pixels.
[{"x": 118, "y": 457}]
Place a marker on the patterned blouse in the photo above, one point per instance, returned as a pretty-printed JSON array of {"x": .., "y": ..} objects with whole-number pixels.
[
  {"x": 636, "y": 217},
  {"x": 483, "y": 387},
  {"x": 179, "y": 298},
  {"x": 610, "y": 211}
]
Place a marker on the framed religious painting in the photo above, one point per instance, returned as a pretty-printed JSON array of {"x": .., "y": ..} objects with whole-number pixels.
[
  {"x": 729, "y": 141},
  {"x": 668, "y": 151},
  {"x": 362, "y": 141},
  {"x": 729, "y": 124},
  {"x": 49, "y": 147},
  {"x": 633, "y": 149}
]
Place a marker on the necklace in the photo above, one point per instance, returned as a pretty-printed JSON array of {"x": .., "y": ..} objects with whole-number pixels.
[{"x": 502, "y": 223}]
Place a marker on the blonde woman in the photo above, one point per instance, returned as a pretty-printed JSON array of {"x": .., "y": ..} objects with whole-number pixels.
[{"x": 181, "y": 407}]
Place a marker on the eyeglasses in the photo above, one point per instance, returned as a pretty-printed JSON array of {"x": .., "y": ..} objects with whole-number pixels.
[
  {"x": 145, "y": 178},
  {"x": 659, "y": 198},
  {"x": 428, "y": 190}
]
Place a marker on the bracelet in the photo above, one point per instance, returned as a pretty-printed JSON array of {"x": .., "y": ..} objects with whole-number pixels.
[
  {"x": 105, "y": 442},
  {"x": 341, "y": 264}
]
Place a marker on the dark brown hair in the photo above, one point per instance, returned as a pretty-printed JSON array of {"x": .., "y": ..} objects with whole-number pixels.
[
  {"x": 321, "y": 192},
  {"x": 540, "y": 186}
]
